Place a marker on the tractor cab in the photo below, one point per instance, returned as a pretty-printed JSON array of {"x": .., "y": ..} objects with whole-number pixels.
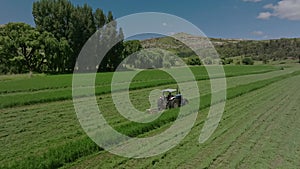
[
  {"x": 169, "y": 94},
  {"x": 171, "y": 98}
]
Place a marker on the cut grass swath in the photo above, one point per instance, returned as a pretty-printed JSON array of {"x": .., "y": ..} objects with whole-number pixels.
[
  {"x": 69, "y": 152},
  {"x": 42, "y": 89}
]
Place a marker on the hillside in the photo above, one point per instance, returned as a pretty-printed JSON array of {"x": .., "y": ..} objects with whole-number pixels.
[
  {"x": 170, "y": 43},
  {"x": 262, "y": 50}
]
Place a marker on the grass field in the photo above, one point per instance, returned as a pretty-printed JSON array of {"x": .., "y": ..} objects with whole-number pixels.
[
  {"x": 22, "y": 90},
  {"x": 259, "y": 128}
]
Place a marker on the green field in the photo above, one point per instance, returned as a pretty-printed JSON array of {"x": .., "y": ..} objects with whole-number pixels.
[
  {"x": 20, "y": 90},
  {"x": 259, "y": 128}
]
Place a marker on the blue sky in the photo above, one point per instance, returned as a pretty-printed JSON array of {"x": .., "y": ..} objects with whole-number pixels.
[{"x": 245, "y": 19}]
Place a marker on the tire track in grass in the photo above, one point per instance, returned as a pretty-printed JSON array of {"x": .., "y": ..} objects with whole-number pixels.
[
  {"x": 264, "y": 139},
  {"x": 230, "y": 127},
  {"x": 223, "y": 140},
  {"x": 226, "y": 119},
  {"x": 273, "y": 151},
  {"x": 280, "y": 144},
  {"x": 243, "y": 144},
  {"x": 204, "y": 89},
  {"x": 290, "y": 143},
  {"x": 119, "y": 161},
  {"x": 26, "y": 132},
  {"x": 147, "y": 164},
  {"x": 197, "y": 134}
]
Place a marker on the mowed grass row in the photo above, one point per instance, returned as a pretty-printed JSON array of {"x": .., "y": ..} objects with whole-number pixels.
[
  {"x": 63, "y": 110},
  {"x": 43, "y": 89},
  {"x": 140, "y": 98},
  {"x": 59, "y": 149},
  {"x": 54, "y": 112},
  {"x": 23, "y": 83},
  {"x": 258, "y": 130}
]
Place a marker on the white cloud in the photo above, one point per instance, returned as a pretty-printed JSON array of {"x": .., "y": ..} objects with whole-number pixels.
[
  {"x": 164, "y": 24},
  {"x": 284, "y": 9},
  {"x": 264, "y": 15},
  {"x": 252, "y": 0},
  {"x": 269, "y": 6},
  {"x": 258, "y": 33}
]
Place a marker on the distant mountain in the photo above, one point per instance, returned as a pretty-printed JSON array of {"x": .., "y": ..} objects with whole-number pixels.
[
  {"x": 263, "y": 50},
  {"x": 171, "y": 43}
]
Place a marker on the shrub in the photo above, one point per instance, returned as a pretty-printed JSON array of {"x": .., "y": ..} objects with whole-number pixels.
[
  {"x": 194, "y": 61},
  {"x": 248, "y": 61},
  {"x": 265, "y": 61},
  {"x": 225, "y": 61}
]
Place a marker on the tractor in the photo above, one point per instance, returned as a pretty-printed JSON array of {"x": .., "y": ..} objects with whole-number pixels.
[{"x": 171, "y": 98}]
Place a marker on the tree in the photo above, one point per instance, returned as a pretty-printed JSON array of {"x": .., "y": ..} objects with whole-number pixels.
[
  {"x": 65, "y": 21},
  {"x": 82, "y": 28},
  {"x": 56, "y": 52},
  {"x": 99, "y": 18},
  {"x": 25, "y": 49},
  {"x": 54, "y": 16},
  {"x": 111, "y": 35},
  {"x": 76, "y": 24},
  {"x": 131, "y": 47}
]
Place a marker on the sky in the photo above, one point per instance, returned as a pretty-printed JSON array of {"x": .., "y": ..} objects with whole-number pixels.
[{"x": 238, "y": 19}]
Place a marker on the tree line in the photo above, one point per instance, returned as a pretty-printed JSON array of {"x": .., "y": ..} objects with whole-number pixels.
[
  {"x": 248, "y": 50},
  {"x": 265, "y": 50},
  {"x": 53, "y": 45},
  {"x": 61, "y": 30}
]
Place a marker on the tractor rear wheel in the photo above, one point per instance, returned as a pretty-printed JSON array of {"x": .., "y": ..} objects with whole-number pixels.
[{"x": 175, "y": 104}]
